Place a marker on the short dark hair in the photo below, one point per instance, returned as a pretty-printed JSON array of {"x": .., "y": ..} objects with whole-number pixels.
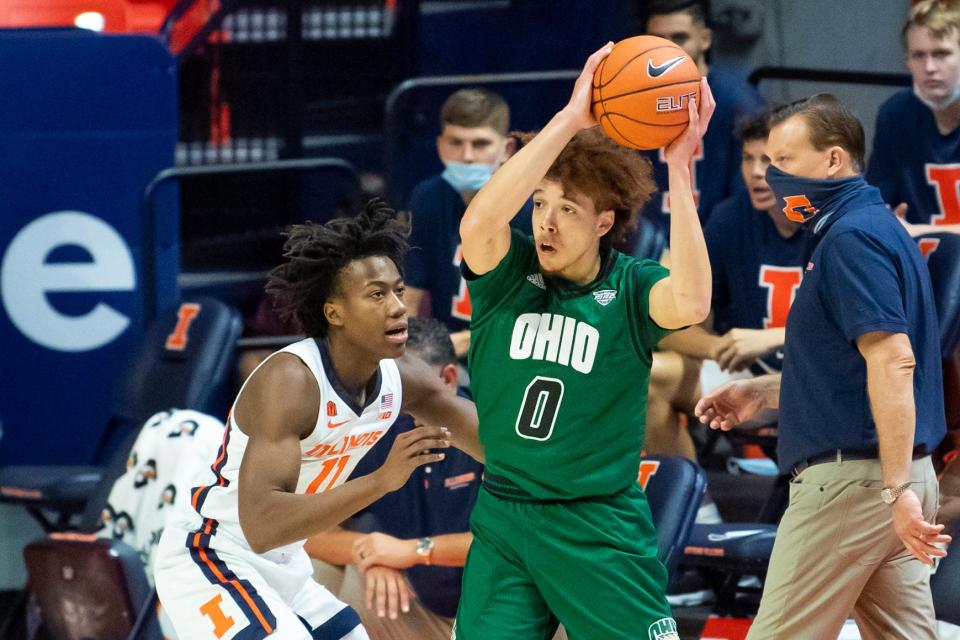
[
  {"x": 754, "y": 128},
  {"x": 476, "y": 107},
  {"x": 316, "y": 254},
  {"x": 830, "y": 124},
  {"x": 696, "y": 9},
  {"x": 430, "y": 340}
]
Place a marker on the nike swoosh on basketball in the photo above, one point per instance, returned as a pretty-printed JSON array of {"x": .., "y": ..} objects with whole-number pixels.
[
  {"x": 655, "y": 71},
  {"x": 334, "y": 425}
]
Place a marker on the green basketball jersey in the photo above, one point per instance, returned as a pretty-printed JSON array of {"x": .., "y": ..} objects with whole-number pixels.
[{"x": 559, "y": 372}]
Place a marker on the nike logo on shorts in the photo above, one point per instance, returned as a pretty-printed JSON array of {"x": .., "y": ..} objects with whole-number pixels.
[{"x": 655, "y": 71}]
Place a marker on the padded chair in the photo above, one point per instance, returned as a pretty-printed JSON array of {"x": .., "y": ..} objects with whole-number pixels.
[
  {"x": 674, "y": 488},
  {"x": 85, "y": 587},
  {"x": 185, "y": 360}
]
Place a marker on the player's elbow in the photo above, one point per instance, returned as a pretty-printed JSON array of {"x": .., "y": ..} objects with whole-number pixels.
[
  {"x": 698, "y": 312},
  {"x": 692, "y": 312},
  {"x": 470, "y": 226},
  {"x": 256, "y": 534}
]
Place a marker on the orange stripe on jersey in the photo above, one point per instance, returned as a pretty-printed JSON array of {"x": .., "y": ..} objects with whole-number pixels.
[{"x": 236, "y": 584}]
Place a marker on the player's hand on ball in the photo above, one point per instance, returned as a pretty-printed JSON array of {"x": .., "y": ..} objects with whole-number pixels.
[
  {"x": 580, "y": 100},
  {"x": 411, "y": 450},
  {"x": 381, "y": 549},
  {"x": 387, "y": 590},
  {"x": 918, "y": 535},
  {"x": 682, "y": 149},
  {"x": 729, "y": 405}
]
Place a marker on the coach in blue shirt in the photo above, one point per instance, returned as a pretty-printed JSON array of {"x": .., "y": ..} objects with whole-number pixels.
[{"x": 861, "y": 399}]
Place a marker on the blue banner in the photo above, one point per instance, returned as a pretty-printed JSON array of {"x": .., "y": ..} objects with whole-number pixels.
[{"x": 86, "y": 120}]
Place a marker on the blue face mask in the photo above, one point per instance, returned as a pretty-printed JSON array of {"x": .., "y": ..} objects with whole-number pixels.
[
  {"x": 937, "y": 105},
  {"x": 803, "y": 199},
  {"x": 464, "y": 176}
]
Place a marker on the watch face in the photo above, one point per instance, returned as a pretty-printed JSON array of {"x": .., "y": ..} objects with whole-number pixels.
[{"x": 887, "y": 496}]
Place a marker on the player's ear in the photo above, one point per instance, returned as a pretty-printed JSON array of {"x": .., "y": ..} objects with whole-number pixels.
[
  {"x": 605, "y": 220},
  {"x": 333, "y": 312},
  {"x": 449, "y": 375}
]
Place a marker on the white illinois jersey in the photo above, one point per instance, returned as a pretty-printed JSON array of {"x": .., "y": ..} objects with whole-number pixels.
[{"x": 342, "y": 435}]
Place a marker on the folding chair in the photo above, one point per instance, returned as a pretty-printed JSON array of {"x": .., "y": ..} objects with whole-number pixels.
[
  {"x": 92, "y": 588},
  {"x": 185, "y": 360},
  {"x": 674, "y": 488}
]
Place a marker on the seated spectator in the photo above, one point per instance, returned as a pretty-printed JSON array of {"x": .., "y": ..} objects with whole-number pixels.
[
  {"x": 472, "y": 144},
  {"x": 916, "y": 155},
  {"x": 404, "y": 577},
  {"x": 714, "y": 169},
  {"x": 757, "y": 257}
]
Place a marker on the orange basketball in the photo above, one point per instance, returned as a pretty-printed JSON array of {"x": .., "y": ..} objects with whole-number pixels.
[{"x": 641, "y": 90}]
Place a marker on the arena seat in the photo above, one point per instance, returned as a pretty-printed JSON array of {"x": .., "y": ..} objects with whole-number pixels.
[
  {"x": 91, "y": 588},
  {"x": 674, "y": 488},
  {"x": 185, "y": 360}
]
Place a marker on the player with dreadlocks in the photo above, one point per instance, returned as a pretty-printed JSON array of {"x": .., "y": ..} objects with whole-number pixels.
[{"x": 233, "y": 566}]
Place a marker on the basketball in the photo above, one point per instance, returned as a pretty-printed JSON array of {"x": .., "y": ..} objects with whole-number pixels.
[{"x": 641, "y": 91}]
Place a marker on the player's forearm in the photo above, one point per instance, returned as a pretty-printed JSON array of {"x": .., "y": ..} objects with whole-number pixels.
[
  {"x": 776, "y": 338},
  {"x": 450, "y": 549},
  {"x": 890, "y": 389},
  {"x": 923, "y": 229},
  {"x": 508, "y": 189},
  {"x": 690, "y": 275},
  {"x": 333, "y": 546},
  {"x": 275, "y": 518},
  {"x": 694, "y": 341}
]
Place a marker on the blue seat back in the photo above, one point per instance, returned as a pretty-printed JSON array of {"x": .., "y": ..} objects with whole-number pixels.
[
  {"x": 674, "y": 488},
  {"x": 185, "y": 362}
]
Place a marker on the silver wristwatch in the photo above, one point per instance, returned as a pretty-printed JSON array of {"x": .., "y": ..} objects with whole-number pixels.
[
  {"x": 425, "y": 549},
  {"x": 890, "y": 494}
]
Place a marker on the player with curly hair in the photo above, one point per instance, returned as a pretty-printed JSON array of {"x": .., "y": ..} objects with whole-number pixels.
[
  {"x": 234, "y": 566},
  {"x": 562, "y": 332}
]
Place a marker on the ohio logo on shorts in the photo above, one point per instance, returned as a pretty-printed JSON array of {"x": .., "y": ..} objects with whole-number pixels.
[{"x": 663, "y": 629}]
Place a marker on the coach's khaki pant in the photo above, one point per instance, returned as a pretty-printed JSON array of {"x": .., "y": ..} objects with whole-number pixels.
[{"x": 836, "y": 553}]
